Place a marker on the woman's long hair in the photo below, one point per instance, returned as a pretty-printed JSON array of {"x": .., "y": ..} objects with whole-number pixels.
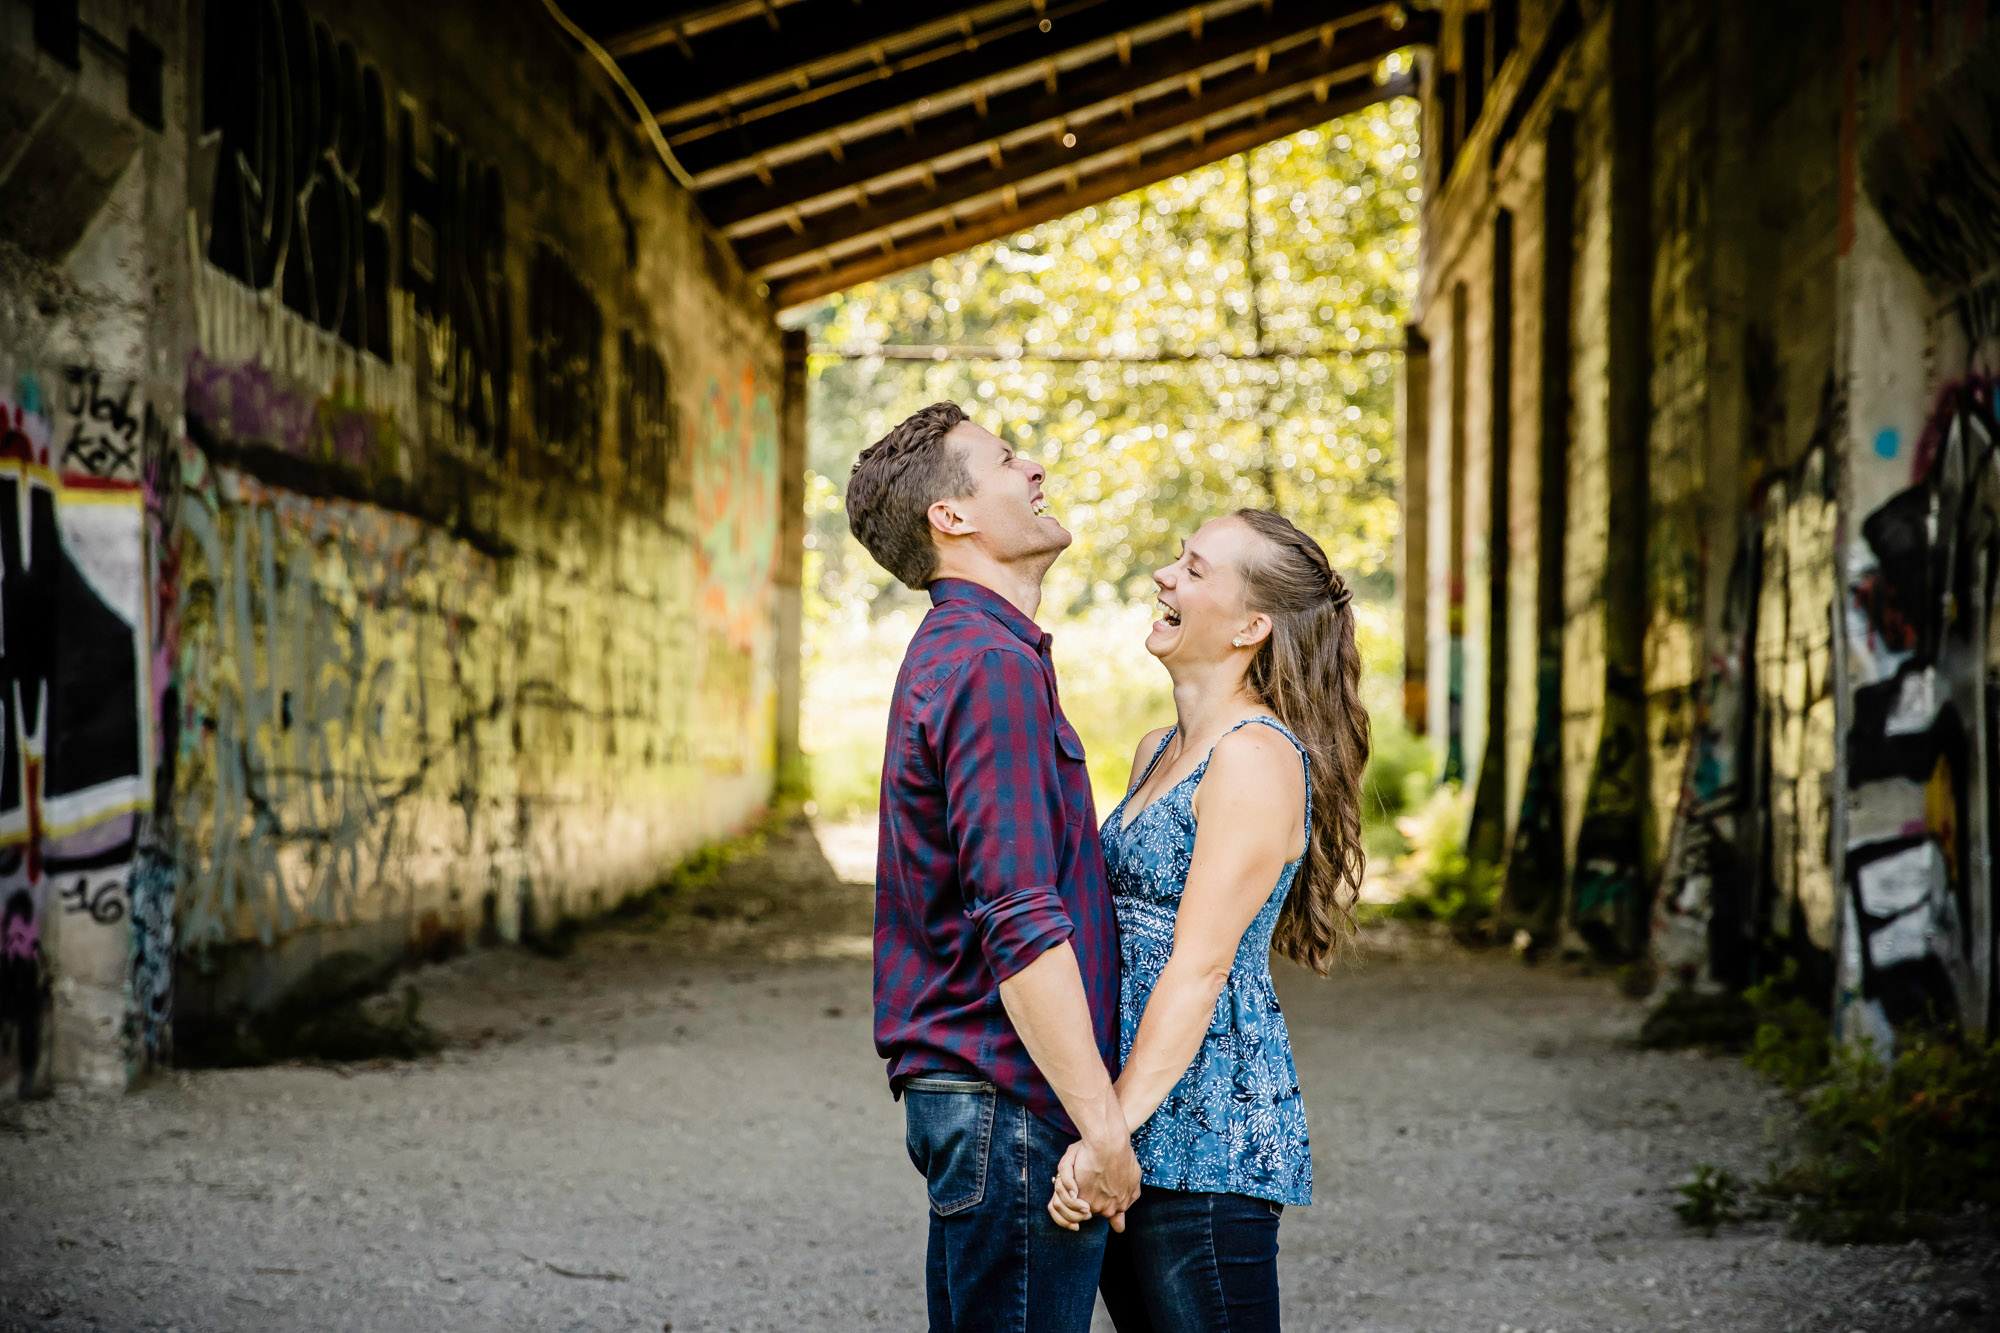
[{"x": 1309, "y": 674}]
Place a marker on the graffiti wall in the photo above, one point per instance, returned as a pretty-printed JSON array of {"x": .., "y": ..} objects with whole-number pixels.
[
  {"x": 467, "y": 639},
  {"x": 76, "y": 703},
  {"x": 389, "y": 488},
  {"x": 1922, "y": 554}
]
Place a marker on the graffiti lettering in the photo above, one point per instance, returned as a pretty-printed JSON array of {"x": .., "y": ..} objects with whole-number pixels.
[
  {"x": 647, "y": 440},
  {"x": 104, "y": 432},
  {"x": 301, "y": 183},
  {"x": 73, "y": 759},
  {"x": 103, "y": 902},
  {"x": 71, "y": 575},
  {"x": 301, "y": 205},
  {"x": 1921, "y": 592},
  {"x": 565, "y": 363},
  {"x": 454, "y": 239},
  {"x": 308, "y": 730}
]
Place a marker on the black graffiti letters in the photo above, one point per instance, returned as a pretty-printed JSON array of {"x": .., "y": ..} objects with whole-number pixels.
[
  {"x": 301, "y": 182},
  {"x": 69, "y": 700},
  {"x": 454, "y": 235},
  {"x": 304, "y": 181},
  {"x": 106, "y": 429},
  {"x": 104, "y": 902},
  {"x": 647, "y": 441},
  {"x": 565, "y": 362}
]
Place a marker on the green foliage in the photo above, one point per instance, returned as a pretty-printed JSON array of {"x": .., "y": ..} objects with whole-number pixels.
[
  {"x": 1792, "y": 1041},
  {"x": 1397, "y": 780},
  {"x": 1712, "y": 1197},
  {"x": 1305, "y": 247},
  {"x": 1139, "y": 453},
  {"x": 1447, "y": 886},
  {"x": 1893, "y": 1149}
]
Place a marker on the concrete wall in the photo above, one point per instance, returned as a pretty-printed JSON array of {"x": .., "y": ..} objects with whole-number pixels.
[
  {"x": 1774, "y": 698},
  {"x": 1921, "y": 510},
  {"x": 407, "y": 454}
]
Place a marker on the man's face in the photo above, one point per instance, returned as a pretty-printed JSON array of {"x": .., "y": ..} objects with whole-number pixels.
[{"x": 1005, "y": 507}]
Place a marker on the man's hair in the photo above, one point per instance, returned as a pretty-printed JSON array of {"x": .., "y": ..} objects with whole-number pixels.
[{"x": 895, "y": 482}]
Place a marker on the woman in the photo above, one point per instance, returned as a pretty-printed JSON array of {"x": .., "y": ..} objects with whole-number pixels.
[{"x": 1240, "y": 832}]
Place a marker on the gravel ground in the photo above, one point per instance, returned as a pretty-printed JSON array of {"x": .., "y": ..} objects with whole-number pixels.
[{"x": 683, "y": 1125}]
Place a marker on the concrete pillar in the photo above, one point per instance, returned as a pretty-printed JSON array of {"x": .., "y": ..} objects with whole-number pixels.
[
  {"x": 1536, "y": 864},
  {"x": 1454, "y": 664},
  {"x": 1413, "y": 417},
  {"x": 788, "y": 568},
  {"x": 1486, "y": 843},
  {"x": 1609, "y": 905}
]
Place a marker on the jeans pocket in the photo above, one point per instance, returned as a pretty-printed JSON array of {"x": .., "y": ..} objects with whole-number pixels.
[{"x": 949, "y": 1132}]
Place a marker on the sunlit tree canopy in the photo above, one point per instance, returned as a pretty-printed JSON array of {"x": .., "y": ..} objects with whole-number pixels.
[{"x": 1247, "y": 319}]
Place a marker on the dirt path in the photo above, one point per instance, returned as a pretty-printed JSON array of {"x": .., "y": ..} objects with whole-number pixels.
[{"x": 673, "y": 1126}]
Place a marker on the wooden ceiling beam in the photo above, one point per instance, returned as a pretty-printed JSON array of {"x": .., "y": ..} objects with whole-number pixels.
[
  {"x": 1220, "y": 106},
  {"x": 741, "y": 203},
  {"x": 666, "y": 24},
  {"x": 704, "y": 146},
  {"x": 804, "y": 44},
  {"x": 1055, "y": 201}
]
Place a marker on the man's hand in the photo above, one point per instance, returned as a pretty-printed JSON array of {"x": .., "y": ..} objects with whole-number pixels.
[{"x": 1094, "y": 1180}]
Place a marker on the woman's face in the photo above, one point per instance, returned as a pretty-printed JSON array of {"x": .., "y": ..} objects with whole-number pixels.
[{"x": 1202, "y": 608}]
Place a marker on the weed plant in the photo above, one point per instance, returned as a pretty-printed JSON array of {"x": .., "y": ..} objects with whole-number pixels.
[
  {"x": 1712, "y": 1197},
  {"x": 1896, "y": 1148},
  {"x": 1888, "y": 1149}
]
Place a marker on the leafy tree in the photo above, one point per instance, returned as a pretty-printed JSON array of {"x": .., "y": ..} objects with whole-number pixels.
[{"x": 1247, "y": 316}]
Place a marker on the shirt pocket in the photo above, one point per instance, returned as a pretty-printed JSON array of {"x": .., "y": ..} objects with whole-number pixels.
[{"x": 1069, "y": 751}]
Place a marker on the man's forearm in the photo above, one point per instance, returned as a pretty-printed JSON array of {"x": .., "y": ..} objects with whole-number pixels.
[{"x": 1046, "y": 1003}]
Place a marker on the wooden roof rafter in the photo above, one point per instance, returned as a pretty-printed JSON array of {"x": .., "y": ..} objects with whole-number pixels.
[
  {"x": 1028, "y": 208},
  {"x": 1026, "y": 120},
  {"x": 837, "y": 140}
]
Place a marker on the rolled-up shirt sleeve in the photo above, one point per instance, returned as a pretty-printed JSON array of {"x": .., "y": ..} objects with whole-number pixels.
[{"x": 995, "y": 742}]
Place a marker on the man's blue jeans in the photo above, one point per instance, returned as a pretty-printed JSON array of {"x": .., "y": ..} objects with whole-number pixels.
[{"x": 996, "y": 1262}]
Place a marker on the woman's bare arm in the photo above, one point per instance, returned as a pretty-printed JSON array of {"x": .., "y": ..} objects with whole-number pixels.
[{"x": 1250, "y": 809}]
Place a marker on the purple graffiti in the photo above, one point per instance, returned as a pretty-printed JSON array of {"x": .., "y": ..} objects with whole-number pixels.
[{"x": 245, "y": 402}]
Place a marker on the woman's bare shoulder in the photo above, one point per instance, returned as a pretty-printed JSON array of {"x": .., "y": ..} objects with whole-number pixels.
[{"x": 1258, "y": 760}]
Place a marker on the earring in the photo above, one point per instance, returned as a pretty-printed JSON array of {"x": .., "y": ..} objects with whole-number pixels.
[{"x": 1237, "y": 642}]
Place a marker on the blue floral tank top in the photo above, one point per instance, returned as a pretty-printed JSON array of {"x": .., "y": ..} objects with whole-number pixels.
[{"x": 1235, "y": 1123}]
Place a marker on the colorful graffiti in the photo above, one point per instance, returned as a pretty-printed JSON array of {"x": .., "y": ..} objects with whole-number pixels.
[
  {"x": 736, "y": 516},
  {"x": 1747, "y": 878},
  {"x": 308, "y": 717},
  {"x": 247, "y": 402},
  {"x": 75, "y": 758},
  {"x": 1923, "y": 648}
]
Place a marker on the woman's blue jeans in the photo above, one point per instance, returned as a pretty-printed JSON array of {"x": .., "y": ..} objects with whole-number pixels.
[
  {"x": 1194, "y": 1263},
  {"x": 996, "y": 1262}
]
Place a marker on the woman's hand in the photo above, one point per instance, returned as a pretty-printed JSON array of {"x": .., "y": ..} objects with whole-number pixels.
[{"x": 1066, "y": 1206}]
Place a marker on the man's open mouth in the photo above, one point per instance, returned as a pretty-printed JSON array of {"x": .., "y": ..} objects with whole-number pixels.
[{"x": 1041, "y": 506}]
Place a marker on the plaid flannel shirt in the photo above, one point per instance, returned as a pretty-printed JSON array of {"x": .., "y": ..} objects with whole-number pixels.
[{"x": 988, "y": 854}]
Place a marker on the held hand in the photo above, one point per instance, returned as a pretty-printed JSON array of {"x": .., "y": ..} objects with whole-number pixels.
[
  {"x": 1066, "y": 1207},
  {"x": 1106, "y": 1178}
]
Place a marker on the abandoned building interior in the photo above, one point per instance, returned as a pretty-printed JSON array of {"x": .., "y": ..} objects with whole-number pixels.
[{"x": 401, "y": 476}]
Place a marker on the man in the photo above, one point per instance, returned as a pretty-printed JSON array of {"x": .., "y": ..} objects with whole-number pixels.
[{"x": 996, "y": 951}]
